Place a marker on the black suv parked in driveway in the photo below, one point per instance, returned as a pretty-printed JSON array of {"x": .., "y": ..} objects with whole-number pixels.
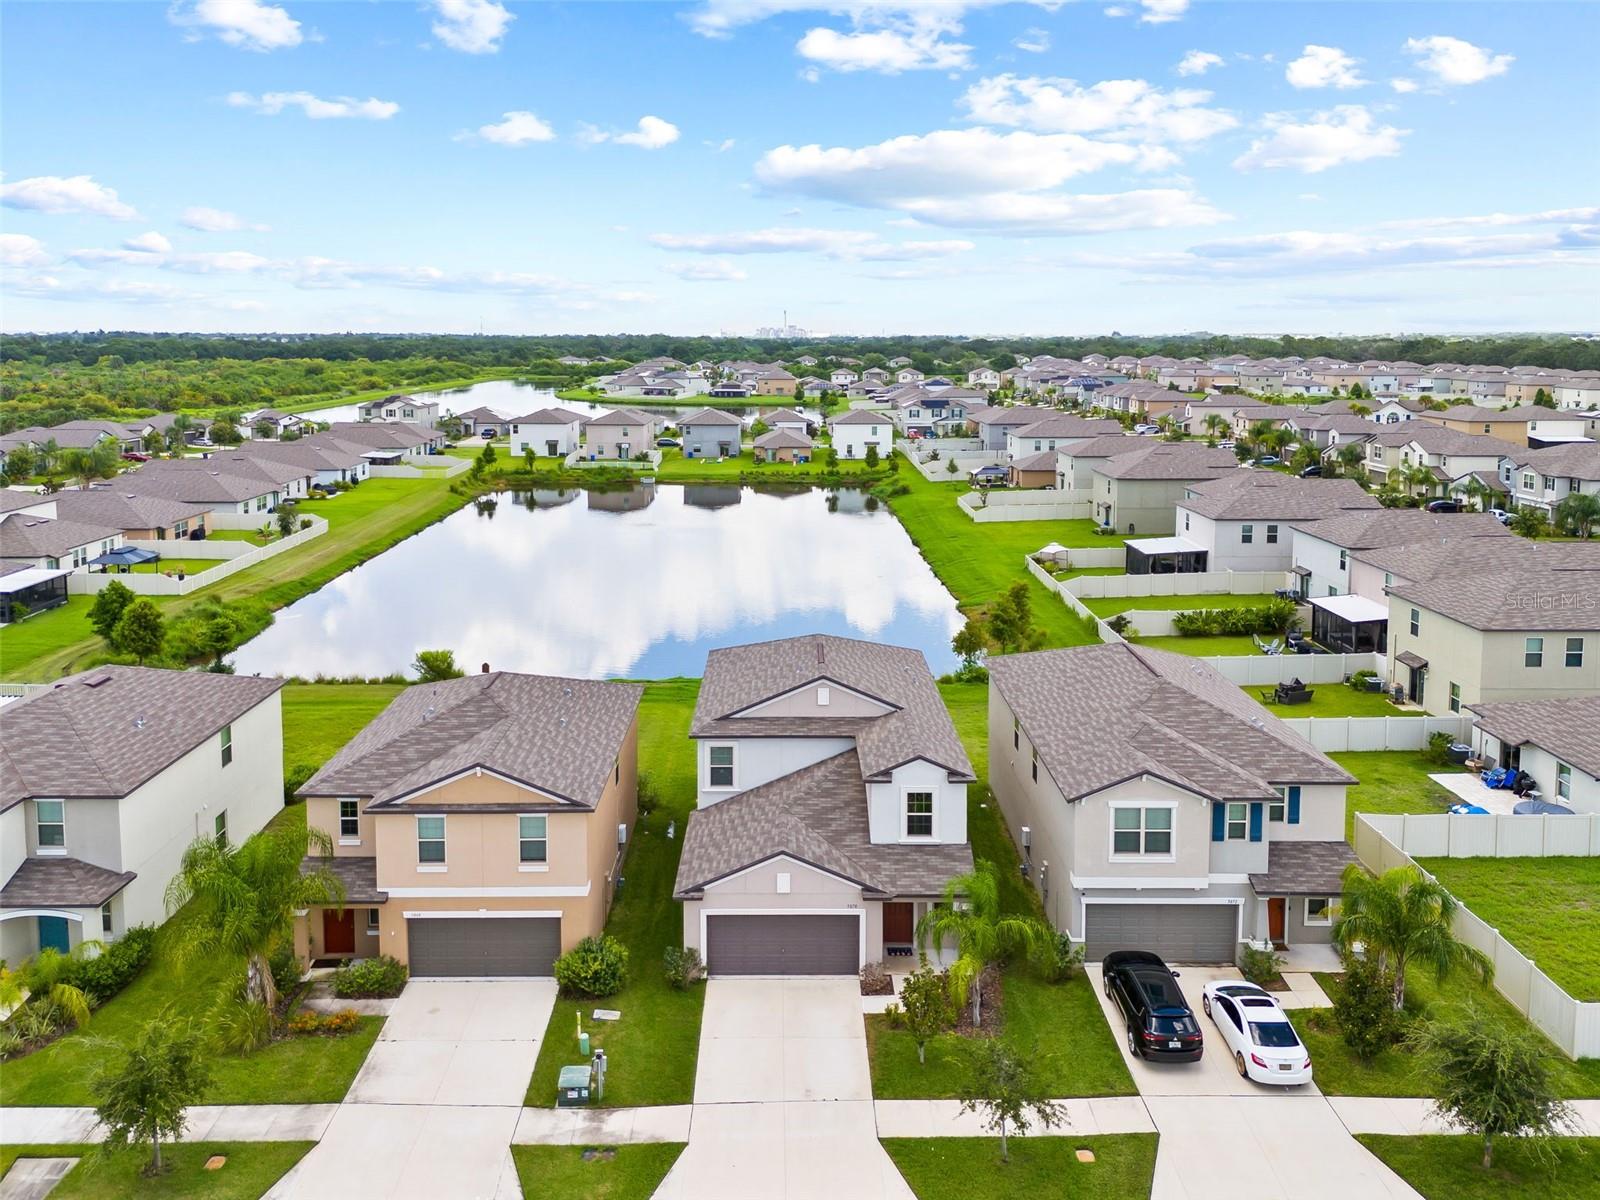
[{"x": 1160, "y": 1025}]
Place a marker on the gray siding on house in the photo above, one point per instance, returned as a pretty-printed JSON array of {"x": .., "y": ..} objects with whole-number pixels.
[{"x": 710, "y": 441}]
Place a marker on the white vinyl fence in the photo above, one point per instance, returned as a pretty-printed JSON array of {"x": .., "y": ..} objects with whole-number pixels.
[
  {"x": 1200, "y": 583},
  {"x": 449, "y": 467},
  {"x": 649, "y": 461},
  {"x": 1029, "y": 505},
  {"x": 82, "y": 583},
  {"x": 1268, "y": 670},
  {"x": 1332, "y": 735},
  {"x": 1383, "y": 841}
]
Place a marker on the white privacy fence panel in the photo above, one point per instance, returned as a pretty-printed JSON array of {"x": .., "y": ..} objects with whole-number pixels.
[
  {"x": 218, "y": 548},
  {"x": 1336, "y": 734},
  {"x": 82, "y": 583},
  {"x": 1107, "y": 634},
  {"x": 1384, "y": 841},
  {"x": 1200, "y": 583},
  {"x": 1025, "y": 506},
  {"x": 447, "y": 468},
  {"x": 1270, "y": 669}
]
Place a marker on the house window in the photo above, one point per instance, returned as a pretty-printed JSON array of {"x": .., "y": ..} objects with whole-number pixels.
[
  {"x": 220, "y": 828},
  {"x": 1388, "y": 579},
  {"x": 1016, "y": 734},
  {"x": 1238, "y": 822},
  {"x": 1319, "y": 910},
  {"x": 1527, "y": 481},
  {"x": 1186, "y": 522},
  {"x": 1575, "y": 652},
  {"x": 1141, "y": 830},
  {"x": 1034, "y": 766},
  {"x": 50, "y": 817},
  {"x": 105, "y": 918},
  {"x": 430, "y": 839},
  {"x": 1272, "y": 535},
  {"x": 533, "y": 844},
  {"x": 1563, "y": 781},
  {"x": 823, "y": 696},
  {"x": 1344, "y": 560},
  {"x": 372, "y": 920},
  {"x": 1533, "y": 652},
  {"x": 349, "y": 819},
  {"x": 227, "y": 744},
  {"x": 1455, "y": 697},
  {"x": 1247, "y": 534},
  {"x": 919, "y": 814},
  {"x": 1416, "y": 622},
  {"x": 720, "y": 759},
  {"x": 1277, "y": 810}
]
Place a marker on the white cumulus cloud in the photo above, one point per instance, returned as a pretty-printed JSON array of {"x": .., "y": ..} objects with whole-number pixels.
[
  {"x": 849, "y": 245},
  {"x": 215, "y": 220},
  {"x": 1198, "y": 62},
  {"x": 247, "y": 24},
  {"x": 1403, "y": 85},
  {"x": 1454, "y": 62},
  {"x": 888, "y": 51},
  {"x": 513, "y": 129},
  {"x": 718, "y": 270},
  {"x": 471, "y": 26},
  {"x": 652, "y": 133},
  {"x": 270, "y": 104},
  {"x": 1116, "y": 108},
  {"x": 148, "y": 243},
  {"x": 20, "y": 250},
  {"x": 1151, "y": 12},
  {"x": 1323, "y": 67},
  {"x": 1345, "y": 134},
  {"x": 1033, "y": 41},
  {"x": 69, "y": 194}
]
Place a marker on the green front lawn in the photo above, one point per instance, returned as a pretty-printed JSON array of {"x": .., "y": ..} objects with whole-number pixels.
[
  {"x": 1449, "y": 1167},
  {"x": 1548, "y": 908},
  {"x": 609, "y": 1173},
  {"x": 1390, "y": 781},
  {"x": 1327, "y": 700},
  {"x": 971, "y": 1169},
  {"x": 1394, "y": 1072},
  {"x": 1218, "y": 646},
  {"x": 653, "y": 1048},
  {"x": 252, "y": 1168},
  {"x": 1110, "y": 606},
  {"x": 676, "y": 468}
]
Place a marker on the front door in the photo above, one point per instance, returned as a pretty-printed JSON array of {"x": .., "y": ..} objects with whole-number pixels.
[
  {"x": 53, "y": 934},
  {"x": 898, "y": 923},
  {"x": 1276, "y": 908},
  {"x": 622, "y": 451},
  {"x": 550, "y": 448},
  {"x": 338, "y": 931},
  {"x": 1414, "y": 689}
]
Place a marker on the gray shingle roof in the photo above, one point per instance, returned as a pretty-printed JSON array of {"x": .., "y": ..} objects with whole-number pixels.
[
  {"x": 1568, "y": 727},
  {"x": 123, "y": 509},
  {"x": 1529, "y": 598},
  {"x": 1243, "y": 495},
  {"x": 1045, "y": 460},
  {"x": 1169, "y": 460},
  {"x": 817, "y": 815},
  {"x": 1303, "y": 869},
  {"x": 861, "y": 416},
  {"x": 359, "y": 876},
  {"x": 199, "y": 487},
  {"x": 709, "y": 416},
  {"x": 1069, "y": 425},
  {"x": 1099, "y": 715},
  {"x": 557, "y": 735},
  {"x": 547, "y": 416},
  {"x": 783, "y": 439},
  {"x": 62, "y": 883},
  {"x": 24, "y": 535},
  {"x": 740, "y": 677},
  {"x": 1369, "y": 530},
  {"x": 107, "y": 731},
  {"x": 1574, "y": 460}
]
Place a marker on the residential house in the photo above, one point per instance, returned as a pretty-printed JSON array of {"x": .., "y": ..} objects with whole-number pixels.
[
  {"x": 1446, "y": 454},
  {"x": 898, "y": 361},
  {"x": 291, "y": 479},
  {"x": 1544, "y": 478},
  {"x": 774, "y": 381},
  {"x": 1138, "y": 492},
  {"x": 1524, "y": 425},
  {"x": 108, "y": 778},
  {"x": 1330, "y": 431},
  {"x": 811, "y": 386},
  {"x": 138, "y": 518},
  {"x": 620, "y": 434},
  {"x": 1245, "y": 519},
  {"x": 1075, "y": 464},
  {"x": 832, "y": 807},
  {"x": 908, "y": 375},
  {"x": 856, "y": 431},
  {"x": 53, "y": 543},
  {"x": 277, "y": 421},
  {"x": 992, "y": 425},
  {"x": 1579, "y": 391},
  {"x": 407, "y": 410},
  {"x": 1555, "y": 741},
  {"x": 1142, "y": 399},
  {"x": 984, "y": 377},
  {"x": 479, "y": 824},
  {"x": 1057, "y": 431},
  {"x": 216, "y": 490},
  {"x": 786, "y": 418},
  {"x": 1527, "y": 632},
  {"x": 782, "y": 445},
  {"x": 842, "y": 377},
  {"x": 710, "y": 433},
  {"x": 876, "y": 377},
  {"x": 405, "y": 440},
  {"x": 1160, "y": 808},
  {"x": 329, "y": 459},
  {"x": 482, "y": 422},
  {"x": 1323, "y": 552},
  {"x": 1034, "y": 470},
  {"x": 551, "y": 432}
]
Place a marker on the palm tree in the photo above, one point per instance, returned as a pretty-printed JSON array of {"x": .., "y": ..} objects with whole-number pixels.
[
  {"x": 969, "y": 915},
  {"x": 1529, "y": 522},
  {"x": 1215, "y": 425},
  {"x": 1403, "y": 916},
  {"x": 1350, "y": 456},
  {"x": 1578, "y": 514},
  {"x": 1479, "y": 491},
  {"x": 1419, "y": 476},
  {"x": 244, "y": 898},
  {"x": 43, "y": 979}
]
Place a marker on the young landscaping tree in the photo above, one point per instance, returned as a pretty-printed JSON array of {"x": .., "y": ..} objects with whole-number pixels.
[
  {"x": 243, "y": 899},
  {"x": 971, "y": 919},
  {"x": 432, "y": 666},
  {"x": 1001, "y": 1088},
  {"x": 140, "y": 630},
  {"x": 833, "y": 458},
  {"x": 1400, "y": 917},
  {"x": 287, "y": 518},
  {"x": 1543, "y": 398},
  {"x": 1578, "y": 514},
  {"x": 143, "y": 1088},
  {"x": 872, "y": 457},
  {"x": 263, "y": 428},
  {"x": 1363, "y": 1007},
  {"x": 970, "y": 643},
  {"x": 528, "y": 458},
  {"x": 225, "y": 433},
  {"x": 1010, "y": 621},
  {"x": 1495, "y": 1079},
  {"x": 927, "y": 1006},
  {"x": 108, "y": 607},
  {"x": 951, "y": 468},
  {"x": 20, "y": 463},
  {"x": 1530, "y": 522},
  {"x": 488, "y": 456}
]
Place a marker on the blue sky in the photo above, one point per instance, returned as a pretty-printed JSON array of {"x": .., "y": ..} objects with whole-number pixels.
[{"x": 904, "y": 167}]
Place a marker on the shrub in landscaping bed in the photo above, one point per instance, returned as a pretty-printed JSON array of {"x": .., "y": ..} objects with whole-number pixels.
[
  {"x": 682, "y": 967},
  {"x": 103, "y": 977},
  {"x": 1276, "y": 616},
  {"x": 1259, "y": 966},
  {"x": 334, "y": 1024},
  {"x": 1061, "y": 960},
  {"x": 596, "y": 967},
  {"x": 1363, "y": 1007},
  {"x": 875, "y": 980},
  {"x": 369, "y": 978}
]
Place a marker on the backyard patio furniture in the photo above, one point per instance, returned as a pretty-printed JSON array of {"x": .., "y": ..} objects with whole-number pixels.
[{"x": 1293, "y": 692}]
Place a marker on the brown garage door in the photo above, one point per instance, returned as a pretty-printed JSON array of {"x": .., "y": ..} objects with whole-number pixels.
[
  {"x": 1196, "y": 933},
  {"x": 466, "y": 946},
  {"x": 783, "y": 944}
]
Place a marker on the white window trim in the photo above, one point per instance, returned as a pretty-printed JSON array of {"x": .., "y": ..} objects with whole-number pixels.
[
  {"x": 1227, "y": 821},
  {"x": 444, "y": 836},
  {"x": 1327, "y": 913},
  {"x": 1563, "y": 771},
  {"x": 1111, "y": 831},
  {"x": 532, "y": 867},
  {"x": 346, "y": 839},
  {"x": 905, "y": 816},
  {"x": 732, "y": 787},
  {"x": 60, "y": 851}
]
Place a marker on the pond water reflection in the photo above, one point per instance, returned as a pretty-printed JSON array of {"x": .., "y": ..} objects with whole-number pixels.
[{"x": 638, "y": 582}]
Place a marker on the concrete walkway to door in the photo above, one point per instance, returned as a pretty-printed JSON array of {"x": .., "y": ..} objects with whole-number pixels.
[{"x": 783, "y": 1098}]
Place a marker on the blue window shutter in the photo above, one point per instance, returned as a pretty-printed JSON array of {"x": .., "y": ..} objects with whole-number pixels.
[
  {"x": 1294, "y": 805},
  {"x": 1255, "y": 821},
  {"x": 1219, "y": 822}
]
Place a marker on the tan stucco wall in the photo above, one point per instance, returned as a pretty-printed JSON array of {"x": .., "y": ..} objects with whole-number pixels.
[
  {"x": 1488, "y": 666},
  {"x": 802, "y": 702}
]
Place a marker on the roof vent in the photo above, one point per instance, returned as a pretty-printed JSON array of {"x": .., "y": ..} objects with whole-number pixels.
[
  {"x": 822, "y": 653},
  {"x": 566, "y": 690},
  {"x": 138, "y": 722},
  {"x": 97, "y": 681}
]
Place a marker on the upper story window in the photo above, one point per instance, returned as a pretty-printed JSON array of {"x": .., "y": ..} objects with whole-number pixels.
[
  {"x": 1016, "y": 734},
  {"x": 1247, "y": 534},
  {"x": 1574, "y": 652},
  {"x": 1238, "y": 825},
  {"x": 533, "y": 844},
  {"x": 1034, "y": 766},
  {"x": 1533, "y": 652},
  {"x": 1528, "y": 481},
  {"x": 919, "y": 814},
  {"x": 220, "y": 827},
  {"x": 1344, "y": 560},
  {"x": 1141, "y": 830},
  {"x": 1272, "y": 535},
  {"x": 719, "y": 760},
  {"x": 1416, "y": 621},
  {"x": 1563, "y": 781},
  {"x": 349, "y": 818},
  {"x": 227, "y": 744},
  {"x": 50, "y": 818},
  {"x": 1455, "y": 697},
  {"x": 430, "y": 839}
]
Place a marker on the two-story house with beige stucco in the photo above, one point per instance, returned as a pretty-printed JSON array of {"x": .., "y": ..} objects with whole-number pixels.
[
  {"x": 1159, "y": 807},
  {"x": 478, "y": 824}
]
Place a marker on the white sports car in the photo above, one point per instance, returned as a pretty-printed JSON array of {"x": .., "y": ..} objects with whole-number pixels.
[{"x": 1253, "y": 1026}]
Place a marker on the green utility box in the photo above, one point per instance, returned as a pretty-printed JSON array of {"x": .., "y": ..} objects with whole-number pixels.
[{"x": 572, "y": 1087}]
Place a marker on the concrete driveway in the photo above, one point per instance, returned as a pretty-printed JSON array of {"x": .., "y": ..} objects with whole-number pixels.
[
  {"x": 434, "y": 1108},
  {"x": 783, "y": 1098}
]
